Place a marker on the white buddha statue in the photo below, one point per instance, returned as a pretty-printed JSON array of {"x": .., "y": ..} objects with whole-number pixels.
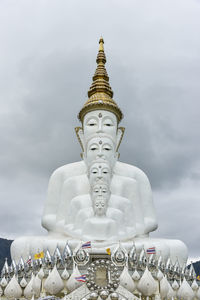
[{"x": 130, "y": 205}]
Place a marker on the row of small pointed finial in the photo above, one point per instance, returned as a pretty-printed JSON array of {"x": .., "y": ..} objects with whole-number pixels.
[
  {"x": 56, "y": 283},
  {"x": 136, "y": 259},
  {"x": 51, "y": 276}
]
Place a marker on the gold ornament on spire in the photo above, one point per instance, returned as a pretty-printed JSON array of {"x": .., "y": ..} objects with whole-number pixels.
[{"x": 100, "y": 93}]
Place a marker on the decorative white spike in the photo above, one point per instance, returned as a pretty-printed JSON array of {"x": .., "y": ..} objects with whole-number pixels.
[
  {"x": 141, "y": 257},
  {"x": 5, "y": 269},
  {"x": 194, "y": 285},
  {"x": 28, "y": 292},
  {"x": 185, "y": 292},
  {"x": 164, "y": 287},
  {"x": 147, "y": 285},
  {"x": 67, "y": 252},
  {"x": 171, "y": 293},
  {"x": 168, "y": 264},
  {"x": 192, "y": 272},
  {"x": 72, "y": 283},
  {"x": 13, "y": 289},
  {"x": 53, "y": 284},
  {"x": 23, "y": 283},
  {"x": 177, "y": 266},
  {"x": 4, "y": 282},
  {"x": 151, "y": 259},
  {"x": 47, "y": 257},
  {"x": 65, "y": 274},
  {"x": 21, "y": 264},
  {"x": 126, "y": 281},
  {"x": 41, "y": 273},
  {"x": 36, "y": 286},
  {"x": 175, "y": 285},
  {"x": 13, "y": 264},
  {"x": 56, "y": 255},
  {"x": 159, "y": 263},
  {"x": 159, "y": 275},
  {"x": 132, "y": 253},
  {"x": 136, "y": 276}
]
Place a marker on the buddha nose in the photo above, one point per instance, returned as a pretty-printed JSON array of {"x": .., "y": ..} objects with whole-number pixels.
[
  {"x": 99, "y": 175},
  {"x": 100, "y": 129}
]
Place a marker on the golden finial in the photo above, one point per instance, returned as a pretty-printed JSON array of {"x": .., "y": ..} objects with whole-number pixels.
[
  {"x": 100, "y": 93},
  {"x": 101, "y": 42}
]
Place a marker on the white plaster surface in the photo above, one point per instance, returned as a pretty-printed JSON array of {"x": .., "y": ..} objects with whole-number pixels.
[{"x": 69, "y": 213}]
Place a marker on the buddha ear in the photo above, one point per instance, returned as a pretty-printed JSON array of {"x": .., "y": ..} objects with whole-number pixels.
[
  {"x": 120, "y": 134},
  {"x": 80, "y": 136}
]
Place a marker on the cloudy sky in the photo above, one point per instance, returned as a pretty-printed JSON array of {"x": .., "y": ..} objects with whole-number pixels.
[{"x": 47, "y": 59}]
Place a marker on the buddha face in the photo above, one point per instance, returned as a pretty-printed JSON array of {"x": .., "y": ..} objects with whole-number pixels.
[
  {"x": 98, "y": 122},
  {"x": 99, "y": 208},
  {"x": 99, "y": 170},
  {"x": 100, "y": 195},
  {"x": 103, "y": 148}
]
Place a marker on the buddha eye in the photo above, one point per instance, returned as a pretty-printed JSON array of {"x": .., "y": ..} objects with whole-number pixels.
[
  {"x": 105, "y": 171},
  {"x": 92, "y": 122},
  {"x": 93, "y": 148},
  {"x": 108, "y": 122},
  {"x": 94, "y": 171}
]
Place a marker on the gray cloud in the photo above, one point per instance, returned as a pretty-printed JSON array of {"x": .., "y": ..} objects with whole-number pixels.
[{"x": 47, "y": 62}]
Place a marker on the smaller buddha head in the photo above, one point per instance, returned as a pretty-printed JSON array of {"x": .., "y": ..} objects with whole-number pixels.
[
  {"x": 99, "y": 170},
  {"x": 100, "y": 148},
  {"x": 100, "y": 194},
  {"x": 99, "y": 208}
]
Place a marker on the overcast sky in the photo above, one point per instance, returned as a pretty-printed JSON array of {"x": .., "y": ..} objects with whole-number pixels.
[{"x": 47, "y": 59}]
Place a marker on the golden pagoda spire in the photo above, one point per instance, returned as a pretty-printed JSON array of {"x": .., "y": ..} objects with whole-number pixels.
[{"x": 100, "y": 93}]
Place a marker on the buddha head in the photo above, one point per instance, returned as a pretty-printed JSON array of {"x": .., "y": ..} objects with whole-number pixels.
[
  {"x": 100, "y": 194},
  {"x": 100, "y": 147},
  {"x": 99, "y": 170}
]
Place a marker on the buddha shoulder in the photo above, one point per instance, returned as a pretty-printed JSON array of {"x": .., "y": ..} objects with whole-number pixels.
[
  {"x": 69, "y": 170},
  {"x": 131, "y": 171}
]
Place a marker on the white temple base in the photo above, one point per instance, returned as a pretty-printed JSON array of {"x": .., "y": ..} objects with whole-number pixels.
[{"x": 30, "y": 245}]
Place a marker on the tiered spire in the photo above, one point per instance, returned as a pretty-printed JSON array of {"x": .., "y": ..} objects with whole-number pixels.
[
  {"x": 100, "y": 78},
  {"x": 100, "y": 93}
]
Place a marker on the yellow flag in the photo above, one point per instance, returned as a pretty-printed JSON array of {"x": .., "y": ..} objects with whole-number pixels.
[
  {"x": 39, "y": 255},
  {"x": 198, "y": 277},
  {"x": 108, "y": 251}
]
